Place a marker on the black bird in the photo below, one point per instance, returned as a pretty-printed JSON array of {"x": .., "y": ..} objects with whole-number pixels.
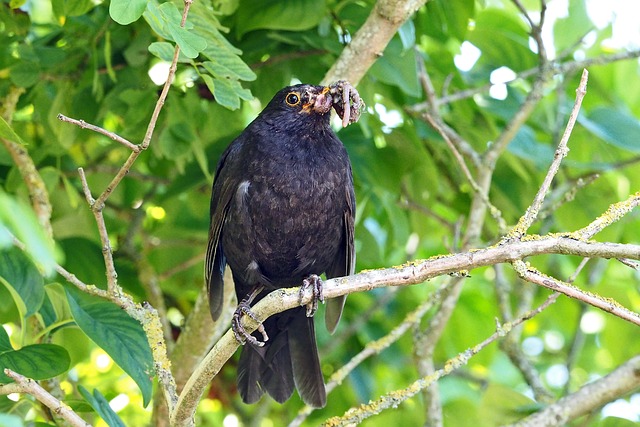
[{"x": 282, "y": 212}]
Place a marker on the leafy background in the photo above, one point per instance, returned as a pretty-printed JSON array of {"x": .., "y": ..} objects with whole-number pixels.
[{"x": 95, "y": 61}]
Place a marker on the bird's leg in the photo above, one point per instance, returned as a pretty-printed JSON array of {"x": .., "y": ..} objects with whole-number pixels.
[
  {"x": 314, "y": 282},
  {"x": 244, "y": 307}
]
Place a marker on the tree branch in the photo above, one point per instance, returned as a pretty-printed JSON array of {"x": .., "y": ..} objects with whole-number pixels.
[
  {"x": 26, "y": 385},
  {"x": 30, "y": 175},
  {"x": 592, "y": 396},
  {"x": 371, "y": 39}
]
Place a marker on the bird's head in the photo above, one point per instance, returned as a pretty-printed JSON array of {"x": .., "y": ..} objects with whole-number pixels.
[{"x": 301, "y": 103}]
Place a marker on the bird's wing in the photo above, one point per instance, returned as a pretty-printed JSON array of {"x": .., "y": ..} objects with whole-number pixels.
[
  {"x": 345, "y": 261},
  {"x": 223, "y": 189}
]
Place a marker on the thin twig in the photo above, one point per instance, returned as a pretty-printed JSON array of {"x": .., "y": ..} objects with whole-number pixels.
[
  {"x": 433, "y": 116},
  {"x": 84, "y": 125},
  {"x": 495, "y": 212},
  {"x": 107, "y": 252},
  {"x": 614, "y": 213},
  {"x": 532, "y": 275},
  {"x": 561, "y": 152}
]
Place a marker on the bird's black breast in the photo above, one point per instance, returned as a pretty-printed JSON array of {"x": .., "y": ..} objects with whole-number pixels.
[{"x": 286, "y": 218}]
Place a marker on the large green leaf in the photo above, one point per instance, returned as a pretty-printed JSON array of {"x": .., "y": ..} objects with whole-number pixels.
[
  {"x": 292, "y": 15},
  {"x": 23, "y": 280},
  {"x": 101, "y": 406},
  {"x": 118, "y": 334},
  {"x": 125, "y": 12},
  {"x": 614, "y": 126},
  {"x": 37, "y": 361}
]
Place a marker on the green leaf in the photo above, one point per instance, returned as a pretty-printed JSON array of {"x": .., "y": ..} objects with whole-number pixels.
[
  {"x": 446, "y": 18},
  {"x": 407, "y": 34},
  {"x": 227, "y": 64},
  {"x": 227, "y": 92},
  {"x": 7, "y": 133},
  {"x": 55, "y": 309},
  {"x": 613, "y": 126},
  {"x": 190, "y": 44},
  {"x": 118, "y": 334},
  {"x": 525, "y": 145},
  {"x": 37, "y": 361},
  {"x": 101, "y": 406},
  {"x": 23, "y": 280},
  {"x": 398, "y": 67},
  {"x": 503, "y": 39},
  {"x": 292, "y": 15},
  {"x": 62, "y": 8},
  {"x": 201, "y": 158},
  {"x": 567, "y": 31},
  {"x": 18, "y": 219},
  {"x": 25, "y": 73},
  {"x": 5, "y": 342},
  {"x": 125, "y": 12},
  {"x": 165, "y": 51},
  {"x": 165, "y": 20}
]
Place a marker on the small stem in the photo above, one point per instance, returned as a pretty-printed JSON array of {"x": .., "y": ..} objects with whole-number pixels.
[{"x": 84, "y": 125}]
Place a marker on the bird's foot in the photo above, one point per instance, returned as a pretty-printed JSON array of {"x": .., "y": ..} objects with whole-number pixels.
[
  {"x": 314, "y": 282},
  {"x": 346, "y": 101},
  {"x": 241, "y": 334}
]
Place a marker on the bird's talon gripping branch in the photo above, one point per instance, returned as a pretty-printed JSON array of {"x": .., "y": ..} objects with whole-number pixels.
[
  {"x": 346, "y": 101},
  {"x": 314, "y": 282},
  {"x": 241, "y": 334}
]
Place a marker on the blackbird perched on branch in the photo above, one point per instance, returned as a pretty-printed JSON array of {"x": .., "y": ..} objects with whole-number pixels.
[{"x": 282, "y": 213}]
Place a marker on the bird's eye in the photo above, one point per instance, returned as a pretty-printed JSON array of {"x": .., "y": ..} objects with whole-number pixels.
[{"x": 292, "y": 99}]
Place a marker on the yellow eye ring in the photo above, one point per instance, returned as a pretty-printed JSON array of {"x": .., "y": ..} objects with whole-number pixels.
[{"x": 292, "y": 99}]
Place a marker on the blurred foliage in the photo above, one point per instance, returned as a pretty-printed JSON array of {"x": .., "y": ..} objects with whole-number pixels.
[{"x": 98, "y": 62}]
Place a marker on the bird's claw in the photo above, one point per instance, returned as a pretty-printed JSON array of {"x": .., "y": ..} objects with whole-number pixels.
[
  {"x": 346, "y": 101},
  {"x": 314, "y": 282},
  {"x": 239, "y": 330}
]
